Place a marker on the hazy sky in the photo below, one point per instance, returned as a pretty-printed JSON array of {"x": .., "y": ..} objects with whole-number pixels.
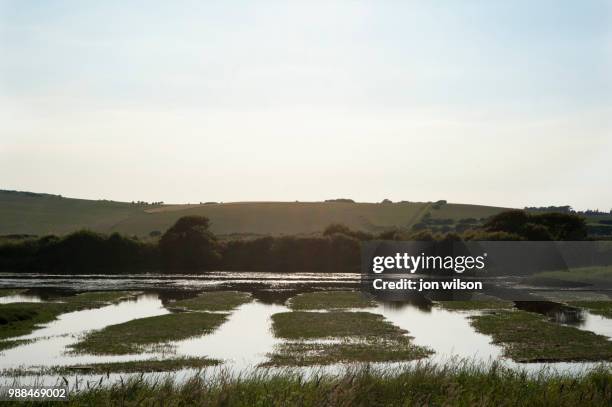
[{"x": 496, "y": 102}]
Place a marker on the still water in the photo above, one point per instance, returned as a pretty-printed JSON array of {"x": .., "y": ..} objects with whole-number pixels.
[{"x": 243, "y": 341}]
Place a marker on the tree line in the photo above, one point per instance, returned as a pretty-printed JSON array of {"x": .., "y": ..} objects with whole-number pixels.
[{"x": 189, "y": 245}]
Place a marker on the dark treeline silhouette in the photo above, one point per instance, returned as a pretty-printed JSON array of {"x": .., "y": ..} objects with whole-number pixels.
[
  {"x": 541, "y": 226},
  {"x": 82, "y": 251},
  {"x": 190, "y": 245},
  {"x": 567, "y": 209}
]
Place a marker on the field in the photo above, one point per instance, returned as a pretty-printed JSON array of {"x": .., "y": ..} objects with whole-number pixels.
[
  {"x": 460, "y": 384},
  {"x": 40, "y": 214}
]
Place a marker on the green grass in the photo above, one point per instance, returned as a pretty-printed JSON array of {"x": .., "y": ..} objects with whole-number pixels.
[
  {"x": 316, "y": 353},
  {"x": 95, "y": 299},
  {"x": 8, "y": 344},
  {"x": 457, "y": 384},
  {"x": 17, "y": 319},
  {"x": 356, "y": 337},
  {"x": 581, "y": 276},
  {"x": 461, "y": 211},
  {"x": 135, "y": 366},
  {"x": 603, "y": 308},
  {"x": 6, "y": 292},
  {"x": 529, "y": 337},
  {"x": 213, "y": 301},
  {"x": 140, "y": 366},
  {"x": 331, "y": 300},
  {"x": 140, "y": 334},
  {"x": 311, "y": 325},
  {"x": 41, "y": 214}
]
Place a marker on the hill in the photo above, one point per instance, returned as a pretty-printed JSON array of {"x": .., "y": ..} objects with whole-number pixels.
[{"x": 40, "y": 214}]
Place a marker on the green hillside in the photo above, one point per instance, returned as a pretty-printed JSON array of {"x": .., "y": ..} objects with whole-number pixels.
[{"x": 39, "y": 214}]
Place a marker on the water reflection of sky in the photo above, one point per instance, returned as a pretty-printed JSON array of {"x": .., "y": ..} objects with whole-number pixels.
[{"x": 243, "y": 341}]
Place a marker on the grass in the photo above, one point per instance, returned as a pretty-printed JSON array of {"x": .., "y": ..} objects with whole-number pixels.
[
  {"x": 17, "y": 319},
  {"x": 316, "y": 353},
  {"x": 356, "y": 337},
  {"x": 136, "y": 335},
  {"x": 135, "y": 366},
  {"x": 7, "y": 292},
  {"x": 529, "y": 337},
  {"x": 141, "y": 366},
  {"x": 576, "y": 276},
  {"x": 8, "y": 344},
  {"x": 461, "y": 211},
  {"x": 213, "y": 301},
  {"x": 331, "y": 300},
  {"x": 426, "y": 384},
  {"x": 311, "y": 325},
  {"x": 41, "y": 214},
  {"x": 95, "y": 299},
  {"x": 603, "y": 308}
]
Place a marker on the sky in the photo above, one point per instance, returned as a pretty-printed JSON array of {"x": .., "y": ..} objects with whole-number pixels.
[{"x": 494, "y": 102}]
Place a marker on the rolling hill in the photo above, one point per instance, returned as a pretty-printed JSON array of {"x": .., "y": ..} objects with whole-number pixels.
[{"x": 40, "y": 214}]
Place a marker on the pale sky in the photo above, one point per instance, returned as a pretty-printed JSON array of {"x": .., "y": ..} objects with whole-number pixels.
[{"x": 505, "y": 103}]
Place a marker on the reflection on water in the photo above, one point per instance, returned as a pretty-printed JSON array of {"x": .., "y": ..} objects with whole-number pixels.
[
  {"x": 19, "y": 298},
  {"x": 49, "y": 347},
  {"x": 448, "y": 333},
  {"x": 207, "y": 280},
  {"x": 571, "y": 316},
  {"x": 243, "y": 341},
  {"x": 419, "y": 302},
  {"x": 556, "y": 312}
]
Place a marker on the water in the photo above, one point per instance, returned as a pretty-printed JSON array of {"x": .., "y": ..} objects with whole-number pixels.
[
  {"x": 570, "y": 316},
  {"x": 19, "y": 298},
  {"x": 243, "y": 341},
  {"x": 49, "y": 347}
]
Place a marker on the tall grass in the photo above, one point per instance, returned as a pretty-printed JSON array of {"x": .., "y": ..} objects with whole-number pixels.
[{"x": 463, "y": 384}]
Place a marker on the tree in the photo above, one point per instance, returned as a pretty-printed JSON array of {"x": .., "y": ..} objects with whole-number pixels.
[
  {"x": 511, "y": 221},
  {"x": 544, "y": 226},
  {"x": 189, "y": 244}
]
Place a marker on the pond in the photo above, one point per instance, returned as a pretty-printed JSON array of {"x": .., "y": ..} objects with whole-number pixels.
[{"x": 245, "y": 339}]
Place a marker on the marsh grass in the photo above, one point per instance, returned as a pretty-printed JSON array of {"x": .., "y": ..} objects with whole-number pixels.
[
  {"x": 135, "y": 335},
  {"x": 7, "y": 344},
  {"x": 22, "y": 318},
  {"x": 309, "y": 325},
  {"x": 213, "y": 301},
  {"x": 529, "y": 337},
  {"x": 134, "y": 366},
  {"x": 452, "y": 384},
  {"x": 96, "y": 299},
  {"x": 317, "y": 353},
  {"x": 356, "y": 337},
  {"x": 6, "y": 292},
  {"x": 331, "y": 300},
  {"x": 603, "y": 308}
]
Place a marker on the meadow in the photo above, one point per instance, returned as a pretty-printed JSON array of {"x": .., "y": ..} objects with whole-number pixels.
[{"x": 41, "y": 214}]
